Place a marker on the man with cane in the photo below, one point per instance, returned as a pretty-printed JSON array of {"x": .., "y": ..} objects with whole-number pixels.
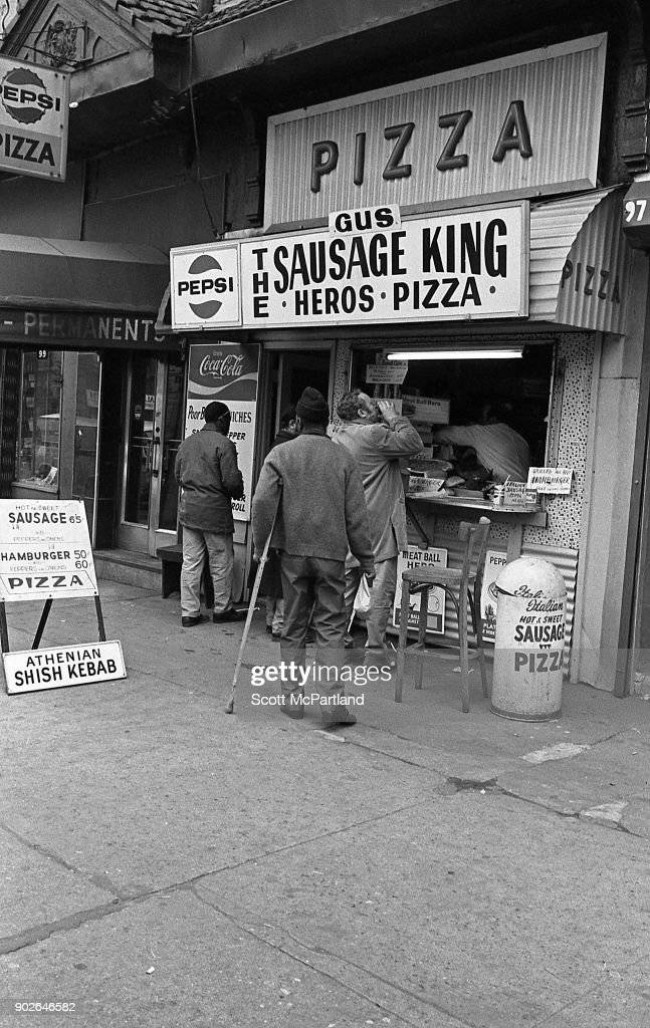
[{"x": 317, "y": 491}]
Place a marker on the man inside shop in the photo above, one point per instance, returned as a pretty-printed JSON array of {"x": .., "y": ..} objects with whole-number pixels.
[
  {"x": 377, "y": 437},
  {"x": 500, "y": 449}
]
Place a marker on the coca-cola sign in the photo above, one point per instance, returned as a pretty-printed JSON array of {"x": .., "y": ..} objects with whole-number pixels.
[
  {"x": 226, "y": 371},
  {"x": 221, "y": 366}
]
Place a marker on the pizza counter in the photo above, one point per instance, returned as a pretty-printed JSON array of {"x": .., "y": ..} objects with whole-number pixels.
[{"x": 427, "y": 512}]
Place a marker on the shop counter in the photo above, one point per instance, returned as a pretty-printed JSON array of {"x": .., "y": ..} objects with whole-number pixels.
[{"x": 516, "y": 517}]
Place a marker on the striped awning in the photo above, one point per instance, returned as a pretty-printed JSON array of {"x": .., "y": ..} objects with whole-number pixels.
[{"x": 580, "y": 261}]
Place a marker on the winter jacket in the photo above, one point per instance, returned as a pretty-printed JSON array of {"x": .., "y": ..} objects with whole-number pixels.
[
  {"x": 206, "y": 469},
  {"x": 377, "y": 448},
  {"x": 323, "y": 509}
]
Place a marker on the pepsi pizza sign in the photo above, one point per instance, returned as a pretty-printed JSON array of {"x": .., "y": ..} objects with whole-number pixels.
[
  {"x": 205, "y": 287},
  {"x": 34, "y": 104}
]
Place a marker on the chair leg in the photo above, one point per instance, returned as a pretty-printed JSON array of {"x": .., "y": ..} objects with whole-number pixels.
[
  {"x": 401, "y": 645},
  {"x": 422, "y": 635},
  {"x": 477, "y": 624},
  {"x": 464, "y": 658}
]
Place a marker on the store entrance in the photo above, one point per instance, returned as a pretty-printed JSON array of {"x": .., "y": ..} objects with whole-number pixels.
[
  {"x": 153, "y": 433},
  {"x": 291, "y": 373}
]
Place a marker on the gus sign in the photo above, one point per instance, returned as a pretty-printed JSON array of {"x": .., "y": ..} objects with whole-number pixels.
[
  {"x": 205, "y": 287},
  {"x": 34, "y": 103}
]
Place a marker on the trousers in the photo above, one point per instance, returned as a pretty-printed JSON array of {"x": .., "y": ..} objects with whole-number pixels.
[
  {"x": 221, "y": 558},
  {"x": 313, "y": 590}
]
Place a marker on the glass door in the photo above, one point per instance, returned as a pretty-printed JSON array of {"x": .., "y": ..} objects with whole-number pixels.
[{"x": 154, "y": 430}]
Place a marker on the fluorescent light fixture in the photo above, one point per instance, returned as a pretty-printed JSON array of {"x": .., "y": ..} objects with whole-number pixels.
[{"x": 485, "y": 353}]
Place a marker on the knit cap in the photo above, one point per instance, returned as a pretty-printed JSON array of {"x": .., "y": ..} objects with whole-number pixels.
[
  {"x": 214, "y": 411},
  {"x": 312, "y": 407}
]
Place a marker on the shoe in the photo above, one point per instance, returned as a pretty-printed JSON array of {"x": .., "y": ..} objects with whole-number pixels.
[
  {"x": 231, "y": 614},
  {"x": 193, "y": 619},
  {"x": 292, "y": 705},
  {"x": 338, "y": 715},
  {"x": 276, "y": 635}
]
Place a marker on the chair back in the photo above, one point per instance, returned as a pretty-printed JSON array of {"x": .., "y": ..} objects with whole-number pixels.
[{"x": 475, "y": 536}]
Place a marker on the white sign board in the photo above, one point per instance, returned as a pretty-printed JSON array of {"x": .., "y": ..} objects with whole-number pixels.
[
  {"x": 205, "y": 286},
  {"x": 461, "y": 265},
  {"x": 34, "y": 106},
  {"x": 431, "y": 557},
  {"x": 227, "y": 372},
  {"x": 390, "y": 373},
  {"x": 550, "y": 480},
  {"x": 426, "y": 408},
  {"x": 45, "y": 550},
  {"x": 32, "y": 670},
  {"x": 494, "y": 565}
]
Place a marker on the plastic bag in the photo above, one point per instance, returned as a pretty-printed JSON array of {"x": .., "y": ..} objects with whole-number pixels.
[{"x": 361, "y": 604}]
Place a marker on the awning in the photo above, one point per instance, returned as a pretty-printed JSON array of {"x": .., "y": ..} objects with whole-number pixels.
[
  {"x": 67, "y": 275},
  {"x": 579, "y": 262}
]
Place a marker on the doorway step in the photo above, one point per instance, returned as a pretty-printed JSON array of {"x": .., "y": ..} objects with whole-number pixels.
[{"x": 129, "y": 567}]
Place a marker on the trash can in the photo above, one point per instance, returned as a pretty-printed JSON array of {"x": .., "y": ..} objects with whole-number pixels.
[{"x": 529, "y": 641}]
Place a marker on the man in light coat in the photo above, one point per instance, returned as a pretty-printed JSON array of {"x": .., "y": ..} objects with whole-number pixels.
[
  {"x": 206, "y": 470},
  {"x": 377, "y": 437}
]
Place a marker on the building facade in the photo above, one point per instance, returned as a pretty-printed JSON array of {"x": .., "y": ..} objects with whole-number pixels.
[{"x": 391, "y": 196}]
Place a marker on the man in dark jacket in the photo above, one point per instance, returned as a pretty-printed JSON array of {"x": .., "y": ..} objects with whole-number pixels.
[
  {"x": 322, "y": 514},
  {"x": 207, "y": 472}
]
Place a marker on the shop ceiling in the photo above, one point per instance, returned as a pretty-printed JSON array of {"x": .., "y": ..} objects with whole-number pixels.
[{"x": 325, "y": 47}]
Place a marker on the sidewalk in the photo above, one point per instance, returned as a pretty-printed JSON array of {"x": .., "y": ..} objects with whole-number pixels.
[
  {"x": 611, "y": 736},
  {"x": 166, "y": 865}
]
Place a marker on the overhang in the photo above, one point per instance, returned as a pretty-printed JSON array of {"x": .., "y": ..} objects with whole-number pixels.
[
  {"x": 579, "y": 262},
  {"x": 68, "y": 275}
]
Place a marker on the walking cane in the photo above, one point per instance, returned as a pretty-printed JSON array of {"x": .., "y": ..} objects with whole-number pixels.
[{"x": 230, "y": 706}]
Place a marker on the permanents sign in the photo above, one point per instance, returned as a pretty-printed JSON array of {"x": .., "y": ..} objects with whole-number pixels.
[
  {"x": 32, "y": 670},
  {"x": 92, "y": 331},
  {"x": 34, "y": 104},
  {"x": 45, "y": 550}
]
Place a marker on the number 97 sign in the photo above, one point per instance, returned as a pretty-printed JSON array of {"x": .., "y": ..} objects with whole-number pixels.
[{"x": 45, "y": 550}]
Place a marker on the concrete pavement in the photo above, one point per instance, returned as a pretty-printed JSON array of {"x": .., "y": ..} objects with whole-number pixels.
[{"x": 167, "y": 865}]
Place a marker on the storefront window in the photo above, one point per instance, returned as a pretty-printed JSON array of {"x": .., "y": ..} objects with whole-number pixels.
[
  {"x": 468, "y": 394},
  {"x": 37, "y": 456},
  {"x": 85, "y": 428}
]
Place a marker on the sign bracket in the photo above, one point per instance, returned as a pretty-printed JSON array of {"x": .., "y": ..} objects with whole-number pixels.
[{"x": 4, "y": 630}]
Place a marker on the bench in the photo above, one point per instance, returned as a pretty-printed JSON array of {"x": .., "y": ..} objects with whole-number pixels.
[{"x": 172, "y": 559}]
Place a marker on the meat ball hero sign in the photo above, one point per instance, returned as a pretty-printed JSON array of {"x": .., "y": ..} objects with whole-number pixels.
[
  {"x": 34, "y": 104},
  {"x": 371, "y": 266}
]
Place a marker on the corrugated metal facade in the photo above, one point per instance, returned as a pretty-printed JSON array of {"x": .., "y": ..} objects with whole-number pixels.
[
  {"x": 565, "y": 560},
  {"x": 585, "y": 231},
  {"x": 540, "y": 80}
]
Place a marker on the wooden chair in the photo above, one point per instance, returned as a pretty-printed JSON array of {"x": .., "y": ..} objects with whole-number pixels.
[{"x": 462, "y": 586}]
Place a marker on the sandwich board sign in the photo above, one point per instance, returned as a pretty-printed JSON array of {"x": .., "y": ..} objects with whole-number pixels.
[
  {"x": 45, "y": 554},
  {"x": 45, "y": 550}
]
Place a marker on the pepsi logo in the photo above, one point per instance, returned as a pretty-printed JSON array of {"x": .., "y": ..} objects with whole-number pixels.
[
  {"x": 25, "y": 97},
  {"x": 204, "y": 280}
]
